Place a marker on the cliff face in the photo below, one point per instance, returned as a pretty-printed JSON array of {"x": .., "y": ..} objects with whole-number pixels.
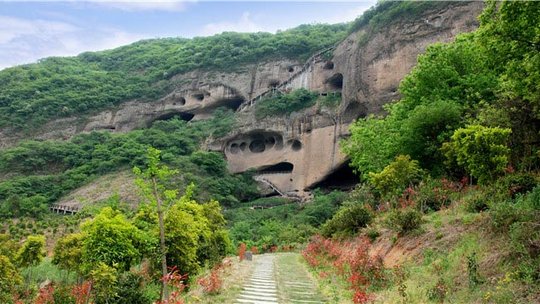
[
  {"x": 366, "y": 69},
  {"x": 290, "y": 154}
]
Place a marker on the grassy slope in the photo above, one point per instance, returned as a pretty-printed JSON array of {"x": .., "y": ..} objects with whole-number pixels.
[{"x": 440, "y": 254}]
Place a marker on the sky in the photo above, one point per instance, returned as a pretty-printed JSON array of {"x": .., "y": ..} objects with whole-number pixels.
[{"x": 32, "y": 30}]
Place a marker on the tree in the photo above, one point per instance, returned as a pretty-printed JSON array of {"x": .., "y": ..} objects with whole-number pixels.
[
  {"x": 32, "y": 251},
  {"x": 373, "y": 142},
  {"x": 185, "y": 228},
  {"x": 110, "y": 239},
  {"x": 397, "y": 176},
  {"x": 9, "y": 279},
  {"x": 68, "y": 252},
  {"x": 148, "y": 183},
  {"x": 481, "y": 151},
  {"x": 426, "y": 128}
]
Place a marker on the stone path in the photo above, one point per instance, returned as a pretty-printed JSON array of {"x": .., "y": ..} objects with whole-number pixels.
[
  {"x": 261, "y": 287},
  {"x": 279, "y": 278}
]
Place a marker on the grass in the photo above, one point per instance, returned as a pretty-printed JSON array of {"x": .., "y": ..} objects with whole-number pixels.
[
  {"x": 46, "y": 270},
  {"x": 291, "y": 272},
  {"x": 233, "y": 278}
]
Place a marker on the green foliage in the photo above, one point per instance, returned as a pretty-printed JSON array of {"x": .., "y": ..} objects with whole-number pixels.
[
  {"x": 8, "y": 247},
  {"x": 130, "y": 290},
  {"x": 32, "y": 251},
  {"x": 284, "y": 104},
  {"x": 425, "y": 130},
  {"x": 347, "y": 221},
  {"x": 66, "y": 165},
  {"x": 9, "y": 279},
  {"x": 481, "y": 151},
  {"x": 404, "y": 220},
  {"x": 386, "y": 12},
  {"x": 185, "y": 227},
  {"x": 281, "y": 223},
  {"x": 32, "y": 94},
  {"x": 68, "y": 252},
  {"x": 330, "y": 101},
  {"x": 111, "y": 240},
  {"x": 373, "y": 143},
  {"x": 104, "y": 278},
  {"x": 397, "y": 176}
]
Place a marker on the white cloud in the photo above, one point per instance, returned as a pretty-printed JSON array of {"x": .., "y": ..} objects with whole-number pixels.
[
  {"x": 244, "y": 24},
  {"x": 144, "y": 5},
  {"x": 26, "y": 41}
]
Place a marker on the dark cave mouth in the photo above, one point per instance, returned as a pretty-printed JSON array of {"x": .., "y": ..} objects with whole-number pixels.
[
  {"x": 282, "y": 167},
  {"x": 168, "y": 116},
  {"x": 343, "y": 178}
]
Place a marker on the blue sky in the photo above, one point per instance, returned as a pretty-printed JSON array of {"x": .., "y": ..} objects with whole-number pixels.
[{"x": 33, "y": 30}]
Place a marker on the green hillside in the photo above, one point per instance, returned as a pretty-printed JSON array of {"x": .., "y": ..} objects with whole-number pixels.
[{"x": 62, "y": 86}]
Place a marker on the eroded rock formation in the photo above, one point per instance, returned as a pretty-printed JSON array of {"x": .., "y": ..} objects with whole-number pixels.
[{"x": 289, "y": 154}]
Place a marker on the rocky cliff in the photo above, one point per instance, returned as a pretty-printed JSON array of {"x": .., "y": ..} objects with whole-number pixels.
[{"x": 290, "y": 154}]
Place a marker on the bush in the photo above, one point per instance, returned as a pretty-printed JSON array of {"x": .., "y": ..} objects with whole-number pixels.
[
  {"x": 518, "y": 183},
  {"x": 347, "y": 221},
  {"x": 525, "y": 239},
  {"x": 404, "y": 220},
  {"x": 282, "y": 104},
  {"x": 397, "y": 176}
]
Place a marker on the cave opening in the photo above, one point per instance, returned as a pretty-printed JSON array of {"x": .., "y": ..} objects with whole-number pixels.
[
  {"x": 232, "y": 103},
  {"x": 336, "y": 81},
  {"x": 273, "y": 83},
  {"x": 257, "y": 146},
  {"x": 296, "y": 145},
  {"x": 329, "y": 65},
  {"x": 283, "y": 167},
  {"x": 199, "y": 96},
  {"x": 179, "y": 101},
  {"x": 343, "y": 178},
  {"x": 172, "y": 115}
]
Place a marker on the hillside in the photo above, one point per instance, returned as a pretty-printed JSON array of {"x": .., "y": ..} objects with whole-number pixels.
[{"x": 398, "y": 153}]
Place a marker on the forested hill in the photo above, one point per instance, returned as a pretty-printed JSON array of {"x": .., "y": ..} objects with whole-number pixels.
[{"x": 62, "y": 86}]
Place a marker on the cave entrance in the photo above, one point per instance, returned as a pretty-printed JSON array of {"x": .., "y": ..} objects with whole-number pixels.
[
  {"x": 168, "y": 116},
  {"x": 283, "y": 167},
  {"x": 336, "y": 81},
  {"x": 343, "y": 178},
  {"x": 232, "y": 103}
]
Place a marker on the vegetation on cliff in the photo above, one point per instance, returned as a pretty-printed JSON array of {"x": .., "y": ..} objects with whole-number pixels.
[{"x": 33, "y": 94}]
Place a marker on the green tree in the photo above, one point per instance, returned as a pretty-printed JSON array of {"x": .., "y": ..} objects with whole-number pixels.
[
  {"x": 9, "y": 279},
  {"x": 104, "y": 280},
  {"x": 373, "y": 142},
  {"x": 148, "y": 184},
  {"x": 68, "y": 252},
  {"x": 481, "y": 151},
  {"x": 111, "y": 239},
  {"x": 397, "y": 176},
  {"x": 32, "y": 251},
  {"x": 185, "y": 228}
]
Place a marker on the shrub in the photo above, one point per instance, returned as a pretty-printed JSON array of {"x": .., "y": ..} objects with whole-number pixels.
[
  {"x": 525, "y": 239},
  {"x": 372, "y": 234},
  {"x": 282, "y": 104},
  {"x": 476, "y": 202},
  {"x": 347, "y": 221},
  {"x": 397, "y": 176},
  {"x": 504, "y": 214},
  {"x": 517, "y": 183},
  {"x": 404, "y": 220},
  {"x": 481, "y": 151}
]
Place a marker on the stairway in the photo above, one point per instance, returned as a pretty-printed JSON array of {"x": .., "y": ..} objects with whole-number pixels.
[{"x": 261, "y": 179}]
